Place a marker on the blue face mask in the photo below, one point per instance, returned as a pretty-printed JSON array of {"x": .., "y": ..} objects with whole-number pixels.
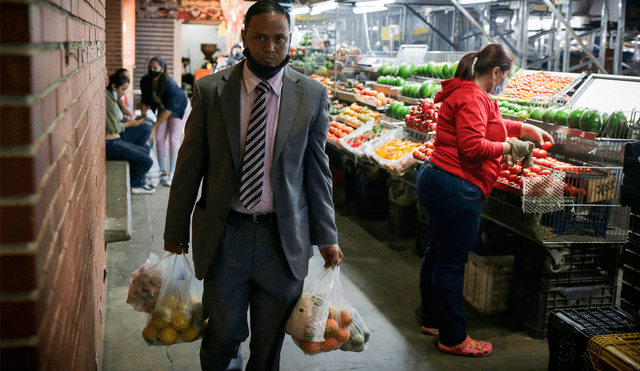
[
  {"x": 115, "y": 95},
  {"x": 496, "y": 90}
]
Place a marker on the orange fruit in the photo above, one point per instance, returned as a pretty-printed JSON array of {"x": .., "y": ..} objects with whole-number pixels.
[
  {"x": 168, "y": 336},
  {"x": 150, "y": 334},
  {"x": 172, "y": 302},
  {"x": 309, "y": 347},
  {"x": 332, "y": 312},
  {"x": 160, "y": 318},
  {"x": 343, "y": 335},
  {"x": 189, "y": 335},
  {"x": 330, "y": 328},
  {"x": 345, "y": 318},
  {"x": 329, "y": 344},
  {"x": 180, "y": 321}
]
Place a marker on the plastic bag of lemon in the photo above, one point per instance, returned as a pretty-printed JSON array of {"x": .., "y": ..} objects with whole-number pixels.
[
  {"x": 323, "y": 321},
  {"x": 179, "y": 316}
]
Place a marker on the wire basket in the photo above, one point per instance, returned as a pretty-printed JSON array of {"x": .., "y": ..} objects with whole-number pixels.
[
  {"x": 623, "y": 125},
  {"x": 401, "y": 165},
  {"x": 615, "y": 352},
  {"x": 544, "y": 193}
]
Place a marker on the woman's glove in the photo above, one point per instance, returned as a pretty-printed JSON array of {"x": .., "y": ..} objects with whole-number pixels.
[{"x": 521, "y": 151}]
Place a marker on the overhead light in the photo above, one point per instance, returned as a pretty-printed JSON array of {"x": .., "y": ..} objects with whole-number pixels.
[
  {"x": 324, "y": 6},
  {"x": 501, "y": 20},
  {"x": 375, "y": 3},
  {"x": 369, "y": 9},
  {"x": 300, "y": 10}
]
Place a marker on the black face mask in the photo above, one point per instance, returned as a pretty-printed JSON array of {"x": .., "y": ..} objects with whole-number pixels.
[
  {"x": 153, "y": 73},
  {"x": 261, "y": 70}
]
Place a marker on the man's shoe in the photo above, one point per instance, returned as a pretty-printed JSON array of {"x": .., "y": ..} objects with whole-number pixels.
[{"x": 145, "y": 189}]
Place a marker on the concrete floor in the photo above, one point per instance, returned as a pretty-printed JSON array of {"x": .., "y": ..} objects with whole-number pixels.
[{"x": 380, "y": 278}]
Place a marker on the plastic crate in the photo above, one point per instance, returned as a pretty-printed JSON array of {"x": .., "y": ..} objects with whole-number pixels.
[
  {"x": 569, "y": 331},
  {"x": 545, "y": 268},
  {"x": 534, "y": 307},
  {"x": 487, "y": 282},
  {"x": 402, "y": 219},
  {"x": 372, "y": 193},
  {"x": 630, "y": 290},
  {"x": 615, "y": 352}
]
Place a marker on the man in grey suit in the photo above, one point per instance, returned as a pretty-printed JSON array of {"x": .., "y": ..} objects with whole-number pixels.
[{"x": 255, "y": 139}]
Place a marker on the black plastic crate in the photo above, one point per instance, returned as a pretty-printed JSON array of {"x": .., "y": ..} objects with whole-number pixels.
[
  {"x": 630, "y": 298},
  {"x": 402, "y": 219},
  {"x": 534, "y": 307},
  {"x": 634, "y": 224},
  {"x": 544, "y": 268},
  {"x": 372, "y": 194},
  {"x": 569, "y": 331}
]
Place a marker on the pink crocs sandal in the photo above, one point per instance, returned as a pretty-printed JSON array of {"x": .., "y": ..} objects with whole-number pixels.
[
  {"x": 430, "y": 331},
  {"x": 469, "y": 348}
]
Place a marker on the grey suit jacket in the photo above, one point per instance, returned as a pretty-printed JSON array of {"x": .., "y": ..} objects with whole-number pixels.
[{"x": 300, "y": 176}]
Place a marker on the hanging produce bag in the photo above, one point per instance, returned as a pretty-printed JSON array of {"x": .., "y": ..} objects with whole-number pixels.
[
  {"x": 322, "y": 319},
  {"x": 145, "y": 284},
  {"x": 178, "y": 316}
]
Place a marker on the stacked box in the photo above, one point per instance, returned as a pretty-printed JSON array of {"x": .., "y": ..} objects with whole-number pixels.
[
  {"x": 630, "y": 290},
  {"x": 630, "y": 190},
  {"x": 569, "y": 332},
  {"x": 487, "y": 282}
]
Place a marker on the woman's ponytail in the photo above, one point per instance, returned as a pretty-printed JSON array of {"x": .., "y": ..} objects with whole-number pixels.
[{"x": 478, "y": 63}]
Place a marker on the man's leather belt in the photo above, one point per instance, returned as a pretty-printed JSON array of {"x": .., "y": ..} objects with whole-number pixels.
[{"x": 256, "y": 218}]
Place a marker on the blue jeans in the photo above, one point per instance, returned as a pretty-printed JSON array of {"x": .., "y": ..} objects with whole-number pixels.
[
  {"x": 132, "y": 146},
  {"x": 454, "y": 206}
]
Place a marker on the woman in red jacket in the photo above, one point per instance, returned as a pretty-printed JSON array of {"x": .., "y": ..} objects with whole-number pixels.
[{"x": 471, "y": 141}]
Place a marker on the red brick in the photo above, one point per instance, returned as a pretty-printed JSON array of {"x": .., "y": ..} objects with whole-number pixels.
[
  {"x": 64, "y": 95},
  {"x": 14, "y": 23},
  {"x": 18, "y": 272},
  {"x": 48, "y": 111},
  {"x": 55, "y": 26},
  {"x": 15, "y": 74},
  {"x": 60, "y": 134},
  {"x": 19, "y": 318},
  {"x": 15, "y": 126},
  {"x": 17, "y": 224},
  {"x": 16, "y": 178}
]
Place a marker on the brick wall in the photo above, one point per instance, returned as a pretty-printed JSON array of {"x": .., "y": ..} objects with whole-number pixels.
[{"x": 52, "y": 184}]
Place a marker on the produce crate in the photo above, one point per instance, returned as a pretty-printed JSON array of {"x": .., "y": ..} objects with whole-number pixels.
[
  {"x": 570, "y": 330},
  {"x": 372, "y": 193},
  {"x": 402, "y": 219},
  {"x": 487, "y": 282},
  {"x": 401, "y": 165},
  {"x": 615, "y": 352},
  {"x": 630, "y": 290},
  {"x": 360, "y": 151},
  {"x": 586, "y": 264},
  {"x": 534, "y": 307}
]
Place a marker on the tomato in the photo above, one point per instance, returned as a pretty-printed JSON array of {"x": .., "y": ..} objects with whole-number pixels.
[
  {"x": 505, "y": 174},
  {"x": 525, "y": 172},
  {"x": 539, "y": 153},
  {"x": 535, "y": 169},
  {"x": 515, "y": 170},
  {"x": 547, "y": 145},
  {"x": 513, "y": 178},
  {"x": 545, "y": 172}
]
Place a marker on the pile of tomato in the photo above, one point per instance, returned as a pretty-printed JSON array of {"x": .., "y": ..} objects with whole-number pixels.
[
  {"x": 527, "y": 86},
  {"x": 367, "y": 136},
  {"x": 338, "y": 130},
  {"x": 424, "y": 152}
]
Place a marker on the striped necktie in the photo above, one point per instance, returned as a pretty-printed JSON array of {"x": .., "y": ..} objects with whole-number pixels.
[{"x": 253, "y": 161}]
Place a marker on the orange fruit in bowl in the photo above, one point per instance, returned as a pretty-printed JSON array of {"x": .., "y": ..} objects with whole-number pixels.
[
  {"x": 343, "y": 335},
  {"x": 330, "y": 328},
  {"x": 168, "y": 336},
  {"x": 150, "y": 334},
  {"x": 180, "y": 321},
  {"x": 160, "y": 318},
  {"x": 345, "y": 318},
  {"x": 190, "y": 334}
]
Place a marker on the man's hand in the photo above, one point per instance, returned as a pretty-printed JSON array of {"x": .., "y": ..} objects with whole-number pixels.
[
  {"x": 332, "y": 256},
  {"x": 176, "y": 249}
]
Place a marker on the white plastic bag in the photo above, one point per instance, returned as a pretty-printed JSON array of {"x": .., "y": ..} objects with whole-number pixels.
[
  {"x": 145, "y": 285},
  {"x": 179, "y": 315},
  {"x": 322, "y": 319}
]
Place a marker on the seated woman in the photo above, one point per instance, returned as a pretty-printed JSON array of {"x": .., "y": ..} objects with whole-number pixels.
[{"x": 127, "y": 140}]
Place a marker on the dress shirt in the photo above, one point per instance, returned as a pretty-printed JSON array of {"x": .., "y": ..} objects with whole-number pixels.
[{"x": 248, "y": 95}]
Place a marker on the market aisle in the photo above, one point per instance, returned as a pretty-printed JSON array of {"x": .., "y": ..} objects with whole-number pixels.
[{"x": 379, "y": 277}]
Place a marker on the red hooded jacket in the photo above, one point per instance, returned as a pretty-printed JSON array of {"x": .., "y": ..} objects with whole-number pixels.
[{"x": 470, "y": 133}]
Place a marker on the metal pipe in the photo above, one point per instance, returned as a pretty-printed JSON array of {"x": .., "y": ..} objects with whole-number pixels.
[
  {"x": 501, "y": 35},
  {"x": 604, "y": 20},
  {"x": 423, "y": 19},
  {"x": 462, "y": 10},
  {"x": 524, "y": 30},
  {"x": 567, "y": 40},
  {"x": 617, "y": 53},
  {"x": 555, "y": 11}
]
